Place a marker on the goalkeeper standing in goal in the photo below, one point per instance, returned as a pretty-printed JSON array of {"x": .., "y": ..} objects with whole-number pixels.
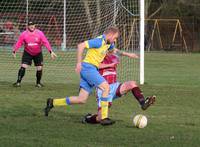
[
  {"x": 32, "y": 39},
  {"x": 108, "y": 69},
  {"x": 90, "y": 76}
]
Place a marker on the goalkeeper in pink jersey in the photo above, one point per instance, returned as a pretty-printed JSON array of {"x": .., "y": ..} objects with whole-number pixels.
[
  {"x": 108, "y": 69},
  {"x": 33, "y": 40}
]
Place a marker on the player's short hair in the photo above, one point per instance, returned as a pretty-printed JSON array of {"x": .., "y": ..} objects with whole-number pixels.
[
  {"x": 111, "y": 29},
  {"x": 30, "y": 22}
]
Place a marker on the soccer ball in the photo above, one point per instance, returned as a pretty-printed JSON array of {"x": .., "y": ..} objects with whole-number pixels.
[{"x": 140, "y": 121}]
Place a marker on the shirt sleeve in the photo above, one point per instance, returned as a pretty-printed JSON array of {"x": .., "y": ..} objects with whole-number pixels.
[
  {"x": 94, "y": 43},
  {"x": 45, "y": 42},
  {"x": 19, "y": 43},
  {"x": 112, "y": 46}
]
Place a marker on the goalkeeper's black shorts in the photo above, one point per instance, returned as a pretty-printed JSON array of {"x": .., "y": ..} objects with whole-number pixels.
[{"x": 37, "y": 59}]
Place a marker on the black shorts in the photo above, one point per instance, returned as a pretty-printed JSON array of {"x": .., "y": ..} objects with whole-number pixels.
[{"x": 37, "y": 59}]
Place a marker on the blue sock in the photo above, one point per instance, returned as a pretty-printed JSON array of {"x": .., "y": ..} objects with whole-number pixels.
[{"x": 68, "y": 101}]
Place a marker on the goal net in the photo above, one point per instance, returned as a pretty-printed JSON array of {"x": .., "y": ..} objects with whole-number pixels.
[{"x": 67, "y": 23}]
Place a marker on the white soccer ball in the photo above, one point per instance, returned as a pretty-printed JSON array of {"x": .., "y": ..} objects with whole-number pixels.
[{"x": 140, "y": 121}]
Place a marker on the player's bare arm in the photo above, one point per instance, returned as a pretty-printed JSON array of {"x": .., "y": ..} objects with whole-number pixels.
[
  {"x": 130, "y": 55},
  {"x": 102, "y": 65},
  {"x": 123, "y": 53},
  {"x": 81, "y": 47}
]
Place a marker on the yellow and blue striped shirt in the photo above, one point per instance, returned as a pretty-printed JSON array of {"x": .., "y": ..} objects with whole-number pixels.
[{"x": 97, "y": 49}]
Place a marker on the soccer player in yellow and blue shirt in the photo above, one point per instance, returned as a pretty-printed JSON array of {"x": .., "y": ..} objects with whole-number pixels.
[{"x": 90, "y": 77}]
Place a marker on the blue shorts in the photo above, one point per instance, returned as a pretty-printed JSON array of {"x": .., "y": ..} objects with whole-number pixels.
[
  {"x": 90, "y": 77},
  {"x": 112, "y": 94}
]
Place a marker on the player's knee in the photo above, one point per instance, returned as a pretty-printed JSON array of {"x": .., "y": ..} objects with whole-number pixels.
[
  {"x": 24, "y": 66},
  {"x": 106, "y": 87},
  {"x": 132, "y": 84},
  {"x": 39, "y": 68}
]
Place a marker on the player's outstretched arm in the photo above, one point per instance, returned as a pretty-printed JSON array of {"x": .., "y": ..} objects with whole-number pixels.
[
  {"x": 102, "y": 65},
  {"x": 122, "y": 53},
  {"x": 130, "y": 55}
]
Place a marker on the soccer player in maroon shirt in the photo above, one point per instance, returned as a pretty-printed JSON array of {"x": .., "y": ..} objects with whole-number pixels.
[
  {"x": 108, "y": 69},
  {"x": 33, "y": 39}
]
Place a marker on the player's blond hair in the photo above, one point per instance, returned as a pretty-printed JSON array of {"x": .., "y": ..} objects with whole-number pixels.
[{"x": 112, "y": 30}]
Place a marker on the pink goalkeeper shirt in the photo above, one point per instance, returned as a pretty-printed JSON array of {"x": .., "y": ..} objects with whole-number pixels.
[{"x": 32, "y": 42}]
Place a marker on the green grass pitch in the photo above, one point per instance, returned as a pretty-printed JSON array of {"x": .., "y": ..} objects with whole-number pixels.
[{"x": 174, "y": 121}]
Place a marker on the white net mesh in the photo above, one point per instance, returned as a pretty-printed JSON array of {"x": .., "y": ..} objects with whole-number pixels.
[{"x": 84, "y": 20}]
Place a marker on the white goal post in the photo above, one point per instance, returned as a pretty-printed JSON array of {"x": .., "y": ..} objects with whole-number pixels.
[{"x": 142, "y": 30}]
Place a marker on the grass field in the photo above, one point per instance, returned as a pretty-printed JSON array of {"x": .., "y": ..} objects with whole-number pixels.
[{"x": 172, "y": 122}]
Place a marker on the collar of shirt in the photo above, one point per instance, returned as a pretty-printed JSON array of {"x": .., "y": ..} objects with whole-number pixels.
[{"x": 104, "y": 37}]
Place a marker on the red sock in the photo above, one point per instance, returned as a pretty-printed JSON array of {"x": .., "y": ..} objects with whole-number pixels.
[{"x": 138, "y": 95}]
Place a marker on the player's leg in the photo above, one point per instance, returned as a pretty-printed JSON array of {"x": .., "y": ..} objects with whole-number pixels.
[
  {"x": 26, "y": 61},
  {"x": 133, "y": 87},
  {"x": 39, "y": 76},
  {"x": 104, "y": 120},
  {"x": 38, "y": 61},
  {"x": 85, "y": 90},
  {"x": 80, "y": 99},
  {"x": 104, "y": 99},
  {"x": 96, "y": 118},
  {"x": 136, "y": 91},
  {"x": 104, "y": 86},
  {"x": 90, "y": 74}
]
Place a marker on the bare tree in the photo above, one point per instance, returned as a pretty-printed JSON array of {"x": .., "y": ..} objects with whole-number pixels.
[
  {"x": 98, "y": 18},
  {"x": 148, "y": 4},
  {"x": 87, "y": 11}
]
